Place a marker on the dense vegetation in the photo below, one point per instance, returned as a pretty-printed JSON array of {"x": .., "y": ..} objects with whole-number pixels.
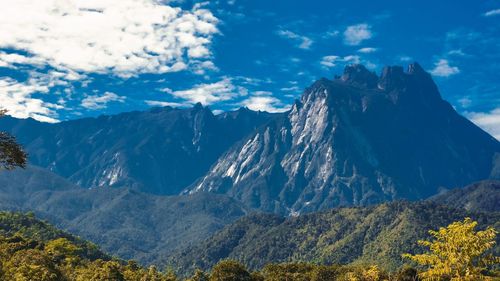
[
  {"x": 126, "y": 223},
  {"x": 34, "y": 250},
  {"x": 458, "y": 252},
  {"x": 362, "y": 235}
]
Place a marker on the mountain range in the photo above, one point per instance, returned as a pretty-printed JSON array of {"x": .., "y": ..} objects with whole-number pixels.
[
  {"x": 355, "y": 140},
  {"x": 151, "y": 184}
]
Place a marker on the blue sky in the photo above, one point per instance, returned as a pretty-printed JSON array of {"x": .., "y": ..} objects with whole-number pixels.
[{"x": 66, "y": 59}]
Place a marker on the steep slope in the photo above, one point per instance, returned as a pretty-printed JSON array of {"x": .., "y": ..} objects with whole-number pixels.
[
  {"x": 124, "y": 222},
  {"x": 356, "y": 140},
  {"x": 29, "y": 227},
  {"x": 159, "y": 151},
  {"x": 374, "y": 235},
  {"x": 482, "y": 196}
]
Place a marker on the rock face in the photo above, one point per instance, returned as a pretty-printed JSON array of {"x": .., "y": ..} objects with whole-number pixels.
[
  {"x": 356, "y": 140},
  {"x": 160, "y": 151}
]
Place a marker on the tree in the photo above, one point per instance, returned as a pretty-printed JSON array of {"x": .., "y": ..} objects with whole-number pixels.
[
  {"x": 457, "y": 253},
  {"x": 199, "y": 275},
  {"x": 228, "y": 270},
  {"x": 30, "y": 264},
  {"x": 12, "y": 154},
  {"x": 62, "y": 249}
]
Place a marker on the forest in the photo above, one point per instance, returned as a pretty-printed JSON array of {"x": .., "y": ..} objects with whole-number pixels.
[{"x": 31, "y": 249}]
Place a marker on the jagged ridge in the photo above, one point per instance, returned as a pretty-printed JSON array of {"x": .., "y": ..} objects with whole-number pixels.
[{"x": 358, "y": 139}]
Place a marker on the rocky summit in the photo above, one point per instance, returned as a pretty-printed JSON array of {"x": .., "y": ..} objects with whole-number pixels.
[
  {"x": 355, "y": 140},
  {"x": 358, "y": 139}
]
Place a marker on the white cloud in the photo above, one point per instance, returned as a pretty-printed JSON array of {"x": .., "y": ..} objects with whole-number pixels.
[
  {"x": 488, "y": 121},
  {"x": 302, "y": 41},
  {"x": 443, "y": 69},
  {"x": 457, "y": 52},
  {"x": 10, "y": 60},
  {"x": 95, "y": 102},
  {"x": 465, "y": 102},
  {"x": 125, "y": 37},
  {"x": 367, "y": 50},
  {"x": 332, "y": 61},
  {"x": 164, "y": 103},
  {"x": 355, "y": 34},
  {"x": 290, "y": 89},
  {"x": 210, "y": 93},
  {"x": 264, "y": 101},
  {"x": 17, "y": 98},
  {"x": 491, "y": 13}
]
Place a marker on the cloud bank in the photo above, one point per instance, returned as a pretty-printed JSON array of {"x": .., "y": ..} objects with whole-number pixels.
[
  {"x": 125, "y": 37},
  {"x": 488, "y": 121}
]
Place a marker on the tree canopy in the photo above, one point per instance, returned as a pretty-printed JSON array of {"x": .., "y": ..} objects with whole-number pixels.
[
  {"x": 458, "y": 252},
  {"x": 12, "y": 154}
]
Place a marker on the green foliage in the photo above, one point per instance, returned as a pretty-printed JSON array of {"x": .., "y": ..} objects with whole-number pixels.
[
  {"x": 228, "y": 270},
  {"x": 199, "y": 275},
  {"x": 12, "y": 154},
  {"x": 458, "y": 252},
  {"x": 32, "y": 250},
  {"x": 363, "y": 235}
]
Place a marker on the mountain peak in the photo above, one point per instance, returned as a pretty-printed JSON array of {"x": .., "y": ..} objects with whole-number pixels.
[
  {"x": 392, "y": 77},
  {"x": 357, "y": 74},
  {"x": 415, "y": 68}
]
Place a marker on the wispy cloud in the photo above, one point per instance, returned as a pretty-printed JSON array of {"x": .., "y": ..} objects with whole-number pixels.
[
  {"x": 367, "y": 50},
  {"x": 95, "y": 102},
  {"x": 491, "y": 13},
  {"x": 355, "y": 34},
  {"x": 303, "y": 42},
  {"x": 124, "y": 38},
  {"x": 209, "y": 93},
  {"x": 164, "y": 103},
  {"x": 443, "y": 68},
  {"x": 489, "y": 121},
  {"x": 17, "y": 98},
  {"x": 332, "y": 61},
  {"x": 264, "y": 101}
]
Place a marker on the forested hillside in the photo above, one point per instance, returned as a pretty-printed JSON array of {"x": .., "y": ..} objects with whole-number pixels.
[
  {"x": 33, "y": 250},
  {"x": 362, "y": 235}
]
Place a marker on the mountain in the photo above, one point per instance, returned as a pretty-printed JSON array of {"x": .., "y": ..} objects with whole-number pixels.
[
  {"x": 482, "y": 196},
  {"x": 124, "y": 222},
  {"x": 360, "y": 235},
  {"x": 160, "y": 151},
  {"x": 356, "y": 140}
]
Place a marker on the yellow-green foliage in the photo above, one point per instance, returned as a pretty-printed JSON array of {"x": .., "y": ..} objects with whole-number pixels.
[
  {"x": 60, "y": 259},
  {"x": 457, "y": 253},
  {"x": 40, "y": 253}
]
